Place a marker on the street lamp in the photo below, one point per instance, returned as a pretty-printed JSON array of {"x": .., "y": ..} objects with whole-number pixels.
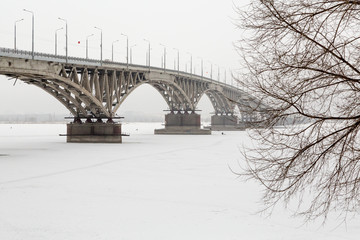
[
  {"x": 33, "y": 32},
  {"x": 178, "y": 60},
  {"x": 148, "y": 52},
  {"x": 218, "y": 78},
  {"x": 56, "y": 39},
  {"x": 131, "y": 53},
  {"x": 164, "y": 56},
  {"x": 190, "y": 62},
  {"x": 15, "y": 32},
  {"x": 112, "y": 50},
  {"x": 101, "y": 45},
  {"x": 202, "y": 67},
  {"x": 87, "y": 45},
  {"x": 211, "y": 70},
  {"x": 66, "y": 37},
  {"x": 127, "y": 49}
]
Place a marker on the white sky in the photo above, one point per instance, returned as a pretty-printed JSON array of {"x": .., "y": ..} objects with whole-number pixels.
[{"x": 203, "y": 28}]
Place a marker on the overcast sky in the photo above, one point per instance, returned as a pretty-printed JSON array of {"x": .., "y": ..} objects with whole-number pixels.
[{"x": 203, "y": 28}]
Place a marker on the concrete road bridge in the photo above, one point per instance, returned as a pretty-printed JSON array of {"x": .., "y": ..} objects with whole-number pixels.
[{"x": 93, "y": 91}]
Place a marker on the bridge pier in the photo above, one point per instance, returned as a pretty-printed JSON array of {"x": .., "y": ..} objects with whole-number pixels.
[
  {"x": 226, "y": 123},
  {"x": 93, "y": 132},
  {"x": 183, "y": 124}
]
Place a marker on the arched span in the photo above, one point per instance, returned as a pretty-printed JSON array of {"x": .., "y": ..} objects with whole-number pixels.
[
  {"x": 64, "y": 97},
  {"x": 251, "y": 109},
  {"x": 220, "y": 103},
  {"x": 174, "y": 96},
  {"x": 73, "y": 96}
]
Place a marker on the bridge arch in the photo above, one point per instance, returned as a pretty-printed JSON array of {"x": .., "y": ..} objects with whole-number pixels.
[
  {"x": 219, "y": 101},
  {"x": 144, "y": 102},
  {"x": 172, "y": 94}
]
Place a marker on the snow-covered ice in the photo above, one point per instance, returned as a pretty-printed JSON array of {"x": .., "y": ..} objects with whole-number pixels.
[{"x": 149, "y": 187}]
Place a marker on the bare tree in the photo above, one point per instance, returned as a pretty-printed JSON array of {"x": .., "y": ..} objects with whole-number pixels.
[{"x": 303, "y": 61}]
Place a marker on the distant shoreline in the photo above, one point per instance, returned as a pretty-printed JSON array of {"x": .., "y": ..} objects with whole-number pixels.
[{"x": 52, "y": 118}]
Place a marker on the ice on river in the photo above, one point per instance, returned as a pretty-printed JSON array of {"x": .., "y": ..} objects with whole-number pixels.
[{"x": 149, "y": 187}]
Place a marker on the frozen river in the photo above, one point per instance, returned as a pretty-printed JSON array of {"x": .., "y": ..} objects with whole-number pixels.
[{"x": 149, "y": 187}]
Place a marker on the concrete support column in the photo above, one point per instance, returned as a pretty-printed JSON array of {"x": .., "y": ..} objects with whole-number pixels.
[
  {"x": 225, "y": 123},
  {"x": 183, "y": 123},
  {"x": 94, "y": 132},
  {"x": 224, "y": 120}
]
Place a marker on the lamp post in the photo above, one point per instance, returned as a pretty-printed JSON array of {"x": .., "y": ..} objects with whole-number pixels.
[
  {"x": 131, "y": 53},
  {"x": 56, "y": 39},
  {"x": 148, "y": 52},
  {"x": 127, "y": 49},
  {"x": 101, "y": 45},
  {"x": 178, "y": 60},
  {"x": 211, "y": 70},
  {"x": 190, "y": 63},
  {"x": 164, "y": 56},
  {"x": 66, "y": 37},
  {"x": 15, "y": 32},
  {"x": 112, "y": 50},
  {"x": 33, "y": 32},
  {"x": 87, "y": 45},
  {"x": 202, "y": 67}
]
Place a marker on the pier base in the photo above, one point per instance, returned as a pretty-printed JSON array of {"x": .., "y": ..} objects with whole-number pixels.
[
  {"x": 94, "y": 133},
  {"x": 183, "y": 124},
  {"x": 225, "y": 123}
]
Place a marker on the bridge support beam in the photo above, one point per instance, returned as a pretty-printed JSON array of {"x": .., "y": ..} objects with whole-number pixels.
[
  {"x": 94, "y": 133},
  {"x": 183, "y": 124},
  {"x": 226, "y": 123}
]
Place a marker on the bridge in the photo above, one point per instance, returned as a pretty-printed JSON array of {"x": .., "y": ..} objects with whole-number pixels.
[{"x": 93, "y": 91}]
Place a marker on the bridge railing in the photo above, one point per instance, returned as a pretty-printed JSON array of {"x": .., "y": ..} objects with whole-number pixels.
[{"x": 9, "y": 52}]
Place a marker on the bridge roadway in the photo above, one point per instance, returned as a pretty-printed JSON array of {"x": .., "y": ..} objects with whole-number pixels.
[{"x": 94, "y": 90}]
